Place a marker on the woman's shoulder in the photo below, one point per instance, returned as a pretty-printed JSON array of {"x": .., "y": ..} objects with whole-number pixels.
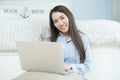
[
  {"x": 85, "y": 40},
  {"x": 83, "y": 35}
]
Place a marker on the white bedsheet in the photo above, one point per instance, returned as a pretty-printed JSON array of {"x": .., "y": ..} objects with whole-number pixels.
[
  {"x": 9, "y": 65},
  {"x": 105, "y": 63}
]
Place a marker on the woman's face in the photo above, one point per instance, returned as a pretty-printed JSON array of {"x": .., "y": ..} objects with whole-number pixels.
[{"x": 61, "y": 22}]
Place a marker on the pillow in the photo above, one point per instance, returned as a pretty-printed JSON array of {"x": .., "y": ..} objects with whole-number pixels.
[
  {"x": 18, "y": 30},
  {"x": 100, "y": 32}
]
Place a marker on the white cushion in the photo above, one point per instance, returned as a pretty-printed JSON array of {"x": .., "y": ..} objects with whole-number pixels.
[
  {"x": 100, "y": 32},
  {"x": 18, "y": 30}
]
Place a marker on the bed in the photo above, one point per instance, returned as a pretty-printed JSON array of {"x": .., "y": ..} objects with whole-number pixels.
[{"x": 104, "y": 40}]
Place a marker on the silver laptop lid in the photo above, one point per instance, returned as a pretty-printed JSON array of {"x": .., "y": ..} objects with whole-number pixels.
[{"x": 41, "y": 56}]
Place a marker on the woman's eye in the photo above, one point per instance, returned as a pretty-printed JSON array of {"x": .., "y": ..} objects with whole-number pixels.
[
  {"x": 55, "y": 21},
  {"x": 62, "y": 18}
]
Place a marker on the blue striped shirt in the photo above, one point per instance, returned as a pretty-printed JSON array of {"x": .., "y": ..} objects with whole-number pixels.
[{"x": 71, "y": 55}]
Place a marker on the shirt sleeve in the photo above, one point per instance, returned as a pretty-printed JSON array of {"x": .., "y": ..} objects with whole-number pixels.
[{"x": 85, "y": 67}]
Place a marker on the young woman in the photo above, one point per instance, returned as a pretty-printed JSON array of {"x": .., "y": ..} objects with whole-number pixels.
[{"x": 75, "y": 44}]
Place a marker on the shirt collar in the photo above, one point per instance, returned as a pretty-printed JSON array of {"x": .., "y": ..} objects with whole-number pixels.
[{"x": 61, "y": 35}]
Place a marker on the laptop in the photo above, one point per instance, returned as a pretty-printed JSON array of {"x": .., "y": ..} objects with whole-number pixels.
[{"x": 41, "y": 56}]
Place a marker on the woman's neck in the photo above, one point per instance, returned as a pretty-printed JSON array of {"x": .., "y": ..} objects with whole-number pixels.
[{"x": 66, "y": 35}]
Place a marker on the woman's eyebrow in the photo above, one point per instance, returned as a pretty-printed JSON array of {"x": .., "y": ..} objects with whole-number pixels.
[{"x": 59, "y": 17}]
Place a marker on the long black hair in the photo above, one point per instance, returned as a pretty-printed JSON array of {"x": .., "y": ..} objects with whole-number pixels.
[{"x": 73, "y": 31}]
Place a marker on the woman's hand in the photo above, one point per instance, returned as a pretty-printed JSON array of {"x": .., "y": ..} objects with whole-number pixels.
[{"x": 67, "y": 67}]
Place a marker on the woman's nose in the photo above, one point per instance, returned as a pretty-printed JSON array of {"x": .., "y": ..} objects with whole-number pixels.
[{"x": 60, "y": 23}]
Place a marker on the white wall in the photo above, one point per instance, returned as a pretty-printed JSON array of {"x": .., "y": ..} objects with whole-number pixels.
[
  {"x": 85, "y": 9},
  {"x": 92, "y": 9},
  {"x": 116, "y": 10},
  {"x": 96, "y": 9}
]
